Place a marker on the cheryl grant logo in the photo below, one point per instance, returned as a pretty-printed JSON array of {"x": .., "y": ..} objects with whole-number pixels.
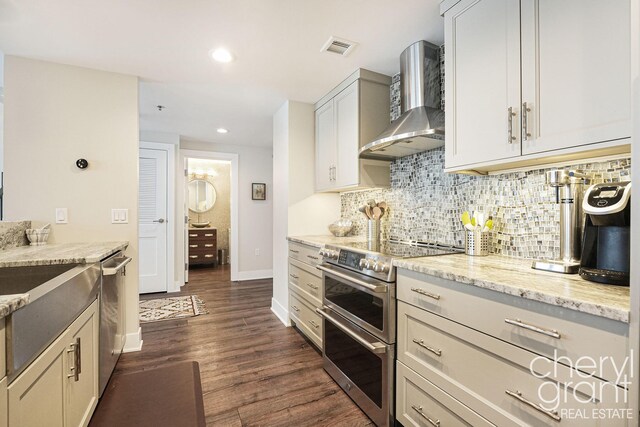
[{"x": 572, "y": 392}]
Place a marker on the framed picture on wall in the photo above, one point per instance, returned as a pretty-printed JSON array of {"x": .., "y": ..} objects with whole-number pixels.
[{"x": 258, "y": 191}]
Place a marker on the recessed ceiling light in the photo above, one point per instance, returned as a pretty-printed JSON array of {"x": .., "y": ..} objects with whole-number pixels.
[
  {"x": 221, "y": 55},
  {"x": 222, "y": 130}
]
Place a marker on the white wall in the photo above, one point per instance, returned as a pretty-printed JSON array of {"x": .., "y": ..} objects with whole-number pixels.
[
  {"x": 298, "y": 210},
  {"x": 255, "y": 217},
  {"x": 55, "y": 114}
]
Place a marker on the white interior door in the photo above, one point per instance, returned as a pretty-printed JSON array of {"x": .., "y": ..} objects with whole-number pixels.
[
  {"x": 152, "y": 221},
  {"x": 185, "y": 208}
]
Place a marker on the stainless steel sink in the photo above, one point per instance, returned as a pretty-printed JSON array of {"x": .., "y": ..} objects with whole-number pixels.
[{"x": 57, "y": 296}]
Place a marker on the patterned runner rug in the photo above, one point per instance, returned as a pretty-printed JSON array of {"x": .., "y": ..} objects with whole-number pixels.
[{"x": 171, "y": 308}]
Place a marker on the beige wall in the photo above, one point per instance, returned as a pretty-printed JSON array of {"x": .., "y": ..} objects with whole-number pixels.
[
  {"x": 220, "y": 214},
  {"x": 54, "y": 115},
  {"x": 297, "y": 209}
]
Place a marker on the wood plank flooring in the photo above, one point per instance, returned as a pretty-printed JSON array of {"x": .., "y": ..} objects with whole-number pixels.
[{"x": 255, "y": 371}]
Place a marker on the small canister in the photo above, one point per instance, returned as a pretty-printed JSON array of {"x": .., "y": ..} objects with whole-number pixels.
[
  {"x": 373, "y": 231},
  {"x": 477, "y": 243}
]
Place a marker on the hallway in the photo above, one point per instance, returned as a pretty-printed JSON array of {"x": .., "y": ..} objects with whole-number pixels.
[{"x": 254, "y": 370}]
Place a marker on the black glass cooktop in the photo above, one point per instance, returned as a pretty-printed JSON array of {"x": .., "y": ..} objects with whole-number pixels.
[{"x": 398, "y": 249}]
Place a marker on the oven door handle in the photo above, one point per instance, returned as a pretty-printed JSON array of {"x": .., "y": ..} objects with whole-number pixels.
[
  {"x": 376, "y": 347},
  {"x": 380, "y": 289}
]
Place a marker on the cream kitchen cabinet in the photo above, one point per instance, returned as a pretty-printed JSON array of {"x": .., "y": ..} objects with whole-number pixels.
[
  {"x": 4, "y": 412},
  {"x": 305, "y": 291},
  {"x": 535, "y": 81},
  {"x": 60, "y": 388},
  {"x": 347, "y": 118}
]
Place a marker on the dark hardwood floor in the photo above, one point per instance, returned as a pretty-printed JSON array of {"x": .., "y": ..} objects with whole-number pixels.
[{"x": 255, "y": 371}]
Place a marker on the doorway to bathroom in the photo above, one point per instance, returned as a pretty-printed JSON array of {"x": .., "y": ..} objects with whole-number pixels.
[{"x": 210, "y": 206}]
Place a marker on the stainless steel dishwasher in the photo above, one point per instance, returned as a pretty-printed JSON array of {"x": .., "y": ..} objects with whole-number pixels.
[{"x": 112, "y": 315}]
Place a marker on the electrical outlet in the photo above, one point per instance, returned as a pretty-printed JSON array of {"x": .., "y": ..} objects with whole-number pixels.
[
  {"x": 62, "y": 216},
  {"x": 119, "y": 216},
  {"x": 257, "y": 252}
]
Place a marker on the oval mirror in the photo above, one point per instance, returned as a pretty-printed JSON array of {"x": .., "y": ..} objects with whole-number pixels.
[{"x": 202, "y": 195}]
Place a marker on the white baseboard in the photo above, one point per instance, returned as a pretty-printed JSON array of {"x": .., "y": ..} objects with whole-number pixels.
[
  {"x": 255, "y": 275},
  {"x": 280, "y": 312},
  {"x": 133, "y": 342}
]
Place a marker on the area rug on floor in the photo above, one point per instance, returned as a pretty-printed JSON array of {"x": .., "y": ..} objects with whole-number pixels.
[{"x": 171, "y": 308}]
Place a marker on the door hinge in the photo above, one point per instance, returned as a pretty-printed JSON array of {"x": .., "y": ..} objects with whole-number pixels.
[
  {"x": 186, "y": 266},
  {"x": 186, "y": 219},
  {"x": 186, "y": 172}
]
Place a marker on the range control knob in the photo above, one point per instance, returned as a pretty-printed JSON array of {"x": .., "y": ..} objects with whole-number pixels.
[
  {"x": 323, "y": 253},
  {"x": 362, "y": 264},
  {"x": 332, "y": 254},
  {"x": 380, "y": 267}
]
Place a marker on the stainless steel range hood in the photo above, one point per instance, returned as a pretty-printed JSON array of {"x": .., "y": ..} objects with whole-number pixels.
[{"x": 421, "y": 125}]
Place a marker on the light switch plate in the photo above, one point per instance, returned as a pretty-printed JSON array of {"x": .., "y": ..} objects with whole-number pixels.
[
  {"x": 119, "y": 216},
  {"x": 62, "y": 216}
]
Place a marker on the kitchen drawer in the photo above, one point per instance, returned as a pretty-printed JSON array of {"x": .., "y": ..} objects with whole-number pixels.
[
  {"x": 578, "y": 334},
  {"x": 307, "y": 285},
  {"x": 420, "y": 403},
  {"x": 305, "y": 318},
  {"x": 494, "y": 378},
  {"x": 304, "y": 253}
]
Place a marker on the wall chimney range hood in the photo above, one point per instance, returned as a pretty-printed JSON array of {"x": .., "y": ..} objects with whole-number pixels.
[{"x": 421, "y": 125}]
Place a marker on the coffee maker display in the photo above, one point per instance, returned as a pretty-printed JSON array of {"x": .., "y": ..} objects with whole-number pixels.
[
  {"x": 605, "y": 246},
  {"x": 569, "y": 186}
]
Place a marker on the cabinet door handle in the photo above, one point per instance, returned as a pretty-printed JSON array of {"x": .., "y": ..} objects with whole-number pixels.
[
  {"x": 295, "y": 308},
  {"x": 293, "y": 276},
  {"x": 294, "y": 251},
  {"x": 548, "y": 332},
  {"x": 518, "y": 396},
  {"x": 511, "y": 115},
  {"x": 525, "y": 121},
  {"x": 315, "y": 258},
  {"x": 418, "y": 409},
  {"x": 314, "y": 324},
  {"x": 425, "y": 293},
  {"x": 312, "y": 286},
  {"x": 421, "y": 343},
  {"x": 76, "y": 369}
]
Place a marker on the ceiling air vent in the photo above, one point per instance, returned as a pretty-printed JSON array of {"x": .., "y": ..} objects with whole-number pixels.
[{"x": 340, "y": 46}]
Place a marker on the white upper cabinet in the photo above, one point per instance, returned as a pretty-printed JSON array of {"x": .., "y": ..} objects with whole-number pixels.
[
  {"x": 575, "y": 72},
  {"x": 533, "y": 79},
  {"x": 348, "y": 118},
  {"x": 482, "y": 56}
]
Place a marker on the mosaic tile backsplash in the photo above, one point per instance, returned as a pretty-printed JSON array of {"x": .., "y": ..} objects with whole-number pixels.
[{"x": 426, "y": 204}]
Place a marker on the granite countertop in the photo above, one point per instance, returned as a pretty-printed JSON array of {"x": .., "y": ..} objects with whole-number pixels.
[
  {"x": 516, "y": 277},
  {"x": 320, "y": 241},
  {"x": 10, "y": 303},
  {"x": 59, "y": 253}
]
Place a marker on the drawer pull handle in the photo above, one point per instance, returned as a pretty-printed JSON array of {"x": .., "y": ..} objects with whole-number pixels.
[
  {"x": 295, "y": 308},
  {"x": 313, "y": 257},
  {"x": 193, "y": 256},
  {"x": 294, "y": 251},
  {"x": 312, "y": 286},
  {"x": 518, "y": 396},
  {"x": 208, "y": 256},
  {"x": 293, "y": 276},
  {"x": 208, "y": 245},
  {"x": 425, "y": 293},
  {"x": 208, "y": 235},
  {"x": 193, "y": 246},
  {"x": 193, "y": 235},
  {"x": 418, "y": 409},
  {"x": 548, "y": 332},
  {"x": 315, "y": 325},
  {"x": 435, "y": 351}
]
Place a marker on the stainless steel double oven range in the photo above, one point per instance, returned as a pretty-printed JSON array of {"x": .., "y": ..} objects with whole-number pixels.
[{"x": 359, "y": 319}]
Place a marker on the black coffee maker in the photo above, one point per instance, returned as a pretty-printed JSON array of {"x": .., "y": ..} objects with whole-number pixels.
[{"x": 605, "y": 243}]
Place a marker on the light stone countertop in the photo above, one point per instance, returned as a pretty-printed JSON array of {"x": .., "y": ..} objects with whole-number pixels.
[
  {"x": 10, "y": 303},
  {"x": 320, "y": 241},
  {"x": 59, "y": 253},
  {"x": 516, "y": 277}
]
